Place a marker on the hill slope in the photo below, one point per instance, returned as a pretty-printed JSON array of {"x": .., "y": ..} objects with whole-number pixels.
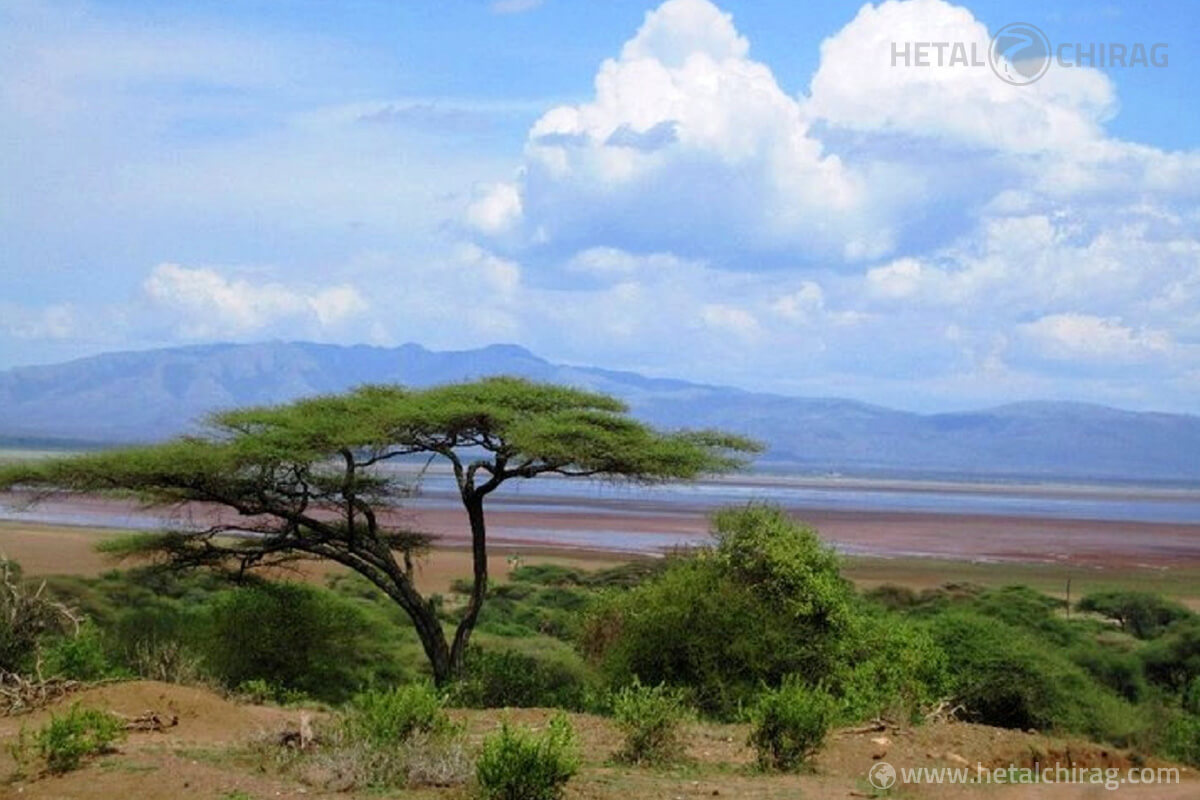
[{"x": 121, "y": 397}]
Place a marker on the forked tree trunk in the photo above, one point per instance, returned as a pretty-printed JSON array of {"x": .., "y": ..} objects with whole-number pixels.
[{"x": 445, "y": 659}]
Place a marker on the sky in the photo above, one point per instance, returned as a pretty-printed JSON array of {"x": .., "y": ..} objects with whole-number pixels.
[{"x": 744, "y": 193}]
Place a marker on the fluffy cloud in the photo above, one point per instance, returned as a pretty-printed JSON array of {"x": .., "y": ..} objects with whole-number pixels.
[
  {"x": 918, "y": 236},
  {"x": 1073, "y": 337},
  {"x": 206, "y": 304},
  {"x": 690, "y": 146},
  {"x": 931, "y": 226},
  {"x": 858, "y": 85}
]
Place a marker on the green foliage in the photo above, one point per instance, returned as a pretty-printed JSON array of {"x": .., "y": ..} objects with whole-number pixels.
[
  {"x": 1006, "y": 677},
  {"x": 543, "y": 424},
  {"x": 1029, "y": 609},
  {"x": 625, "y": 575},
  {"x": 768, "y": 601},
  {"x": 651, "y": 717},
  {"x": 525, "y": 609},
  {"x": 1191, "y": 696},
  {"x": 1141, "y": 614},
  {"x": 511, "y": 679},
  {"x": 66, "y": 740},
  {"x": 294, "y": 637},
  {"x": 1173, "y": 660},
  {"x": 390, "y": 717},
  {"x": 81, "y": 657},
  {"x": 388, "y": 739},
  {"x": 789, "y": 724},
  {"x": 785, "y": 564},
  {"x": 893, "y": 667},
  {"x": 517, "y": 764},
  {"x": 1182, "y": 738},
  {"x": 1119, "y": 670}
]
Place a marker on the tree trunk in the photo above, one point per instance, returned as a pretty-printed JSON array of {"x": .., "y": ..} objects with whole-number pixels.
[
  {"x": 474, "y": 505},
  {"x": 433, "y": 640}
]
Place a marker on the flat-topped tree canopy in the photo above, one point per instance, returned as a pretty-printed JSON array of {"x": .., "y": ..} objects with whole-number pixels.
[
  {"x": 303, "y": 477},
  {"x": 520, "y": 427}
]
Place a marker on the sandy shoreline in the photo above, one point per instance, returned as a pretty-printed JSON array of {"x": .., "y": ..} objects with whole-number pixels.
[{"x": 642, "y": 528}]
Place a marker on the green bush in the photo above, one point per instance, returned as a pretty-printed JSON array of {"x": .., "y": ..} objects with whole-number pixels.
[
  {"x": 1191, "y": 697},
  {"x": 1141, "y": 614},
  {"x": 510, "y": 679},
  {"x": 384, "y": 718},
  {"x": 894, "y": 668},
  {"x": 1029, "y": 610},
  {"x": 1007, "y": 677},
  {"x": 1173, "y": 660},
  {"x": 81, "y": 657},
  {"x": 1119, "y": 670},
  {"x": 651, "y": 717},
  {"x": 767, "y": 601},
  {"x": 388, "y": 739},
  {"x": 522, "y": 765},
  {"x": 1183, "y": 739},
  {"x": 294, "y": 637},
  {"x": 65, "y": 741},
  {"x": 789, "y": 724}
]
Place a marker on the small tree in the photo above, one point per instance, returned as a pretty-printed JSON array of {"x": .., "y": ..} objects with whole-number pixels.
[
  {"x": 1141, "y": 614},
  {"x": 307, "y": 479}
]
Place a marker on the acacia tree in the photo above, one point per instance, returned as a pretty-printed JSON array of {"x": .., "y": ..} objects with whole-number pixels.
[{"x": 310, "y": 479}]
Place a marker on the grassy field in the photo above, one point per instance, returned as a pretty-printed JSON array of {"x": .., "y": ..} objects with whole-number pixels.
[{"x": 1182, "y": 584}]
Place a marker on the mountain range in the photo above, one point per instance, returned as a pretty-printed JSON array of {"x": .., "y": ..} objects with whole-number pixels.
[{"x": 149, "y": 395}]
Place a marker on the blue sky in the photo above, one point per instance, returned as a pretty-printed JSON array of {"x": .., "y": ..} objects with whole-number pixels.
[{"x": 739, "y": 192}]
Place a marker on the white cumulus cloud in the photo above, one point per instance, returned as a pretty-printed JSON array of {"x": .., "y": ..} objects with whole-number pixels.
[
  {"x": 205, "y": 303},
  {"x": 1089, "y": 338}
]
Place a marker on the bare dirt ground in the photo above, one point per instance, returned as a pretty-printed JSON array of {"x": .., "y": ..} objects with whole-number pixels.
[
  {"x": 67, "y": 550},
  {"x": 205, "y": 756}
]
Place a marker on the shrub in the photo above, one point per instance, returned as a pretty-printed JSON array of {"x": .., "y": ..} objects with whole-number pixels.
[
  {"x": 1173, "y": 660},
  {"x": 1191, "y": 697},
  {"x": 1027, "y": 609},
  {"x": 384, "y": 718},
  {"x": 27, "y": 615},
  {"x": 1141, "y": 614},
  {"x": 522, "y": 765},
  {"x": 82, "y": 732},
  {"x": 651, "y": 718},
  {"x": 294, "y": 637},
  {"x": 387, "y": 739},
  {"x": 894, "y": 668},
  {"x": 168, "y": 661},
  {"x": 1120, "y": 671},
  {"x": 766, "y": 602},
  {"x": 1003, "y": 676},
  {"x": 1183, "y": 739},
  {"x": 510, "y": 679},
  {"x": 789, "y": 724},
  {"x": 80, "y": 657}
]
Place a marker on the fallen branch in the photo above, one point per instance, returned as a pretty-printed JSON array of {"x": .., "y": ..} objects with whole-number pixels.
[{"x": 150, "y": 722}]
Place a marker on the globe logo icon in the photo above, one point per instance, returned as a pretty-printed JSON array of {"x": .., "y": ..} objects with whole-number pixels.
[
  {"x": 882, "y": 776},
  {"x": 1019, "y": 53}
]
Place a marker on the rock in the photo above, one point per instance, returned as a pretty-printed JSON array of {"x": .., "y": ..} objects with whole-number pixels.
[{"x": 881, "y": 747}]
